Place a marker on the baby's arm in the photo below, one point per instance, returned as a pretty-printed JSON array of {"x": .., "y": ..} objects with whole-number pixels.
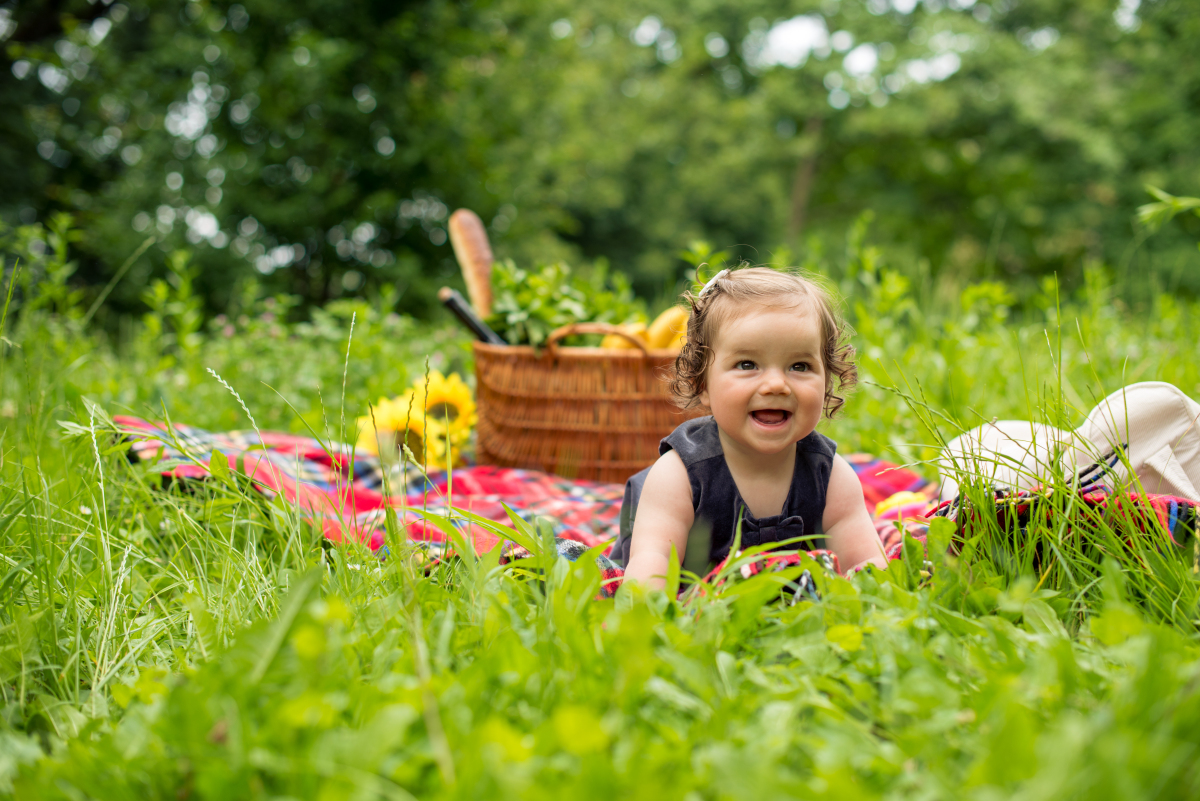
[
  {"x": 848, "y": 528},
  {"x": 664, "y": 517}
]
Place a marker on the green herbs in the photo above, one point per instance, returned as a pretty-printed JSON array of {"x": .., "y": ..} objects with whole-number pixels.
[{"x": 529, "y": 304}]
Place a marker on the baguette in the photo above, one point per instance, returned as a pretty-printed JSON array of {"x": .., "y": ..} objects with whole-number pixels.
[{"x": 470, "y": 242}]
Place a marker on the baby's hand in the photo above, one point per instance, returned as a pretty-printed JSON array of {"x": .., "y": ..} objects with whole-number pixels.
[{"x": 876, "y": 561}]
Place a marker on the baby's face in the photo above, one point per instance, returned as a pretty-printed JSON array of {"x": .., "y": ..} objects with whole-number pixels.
[{"x": 766, "y": 383}]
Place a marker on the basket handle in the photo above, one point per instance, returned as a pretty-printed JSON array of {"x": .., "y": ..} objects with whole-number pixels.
[{"x": 591, "y": 328}]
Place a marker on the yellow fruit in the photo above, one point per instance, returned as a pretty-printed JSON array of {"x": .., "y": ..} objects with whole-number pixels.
[
  {"x": 667, "y": 327},
  {"x": 616, "y": 342},
  {"x": 676, "y": 344}
]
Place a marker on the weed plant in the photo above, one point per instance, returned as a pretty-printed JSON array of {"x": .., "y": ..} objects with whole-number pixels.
[{"x": 200, "y": 641}]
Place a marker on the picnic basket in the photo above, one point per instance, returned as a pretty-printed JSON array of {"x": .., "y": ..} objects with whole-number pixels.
[{"x": 582, "y": 413}]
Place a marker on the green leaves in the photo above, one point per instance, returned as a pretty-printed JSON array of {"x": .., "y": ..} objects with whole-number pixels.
[
  {"x": 529, "y": 304},
  {"x": 846, "y": 636},
  {"x": 1155, "y": 215},
  {"x": 346, "y": 136},
  {"x": 206, "y": 630},
  {"x": 292, "y": 604}
]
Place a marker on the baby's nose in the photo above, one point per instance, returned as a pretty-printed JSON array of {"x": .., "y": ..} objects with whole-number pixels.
[{"x": 775, "y": 383}]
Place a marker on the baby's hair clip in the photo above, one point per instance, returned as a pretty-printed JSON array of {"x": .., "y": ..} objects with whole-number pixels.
[{"x": 713, "y": 281}]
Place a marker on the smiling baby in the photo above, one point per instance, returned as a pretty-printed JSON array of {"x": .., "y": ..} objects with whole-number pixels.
[{"x": 766, "y": 355}]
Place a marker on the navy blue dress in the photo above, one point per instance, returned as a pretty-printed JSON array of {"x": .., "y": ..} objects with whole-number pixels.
[{"x": 719, "y": 505}]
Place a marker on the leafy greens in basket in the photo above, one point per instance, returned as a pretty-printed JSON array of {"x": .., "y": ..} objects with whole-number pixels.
[{"x": 528, "y": 304}]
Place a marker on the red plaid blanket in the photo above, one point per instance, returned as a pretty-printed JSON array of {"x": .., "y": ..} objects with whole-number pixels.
[
  {"x": 350, "y": 493},
  {"x": 1176, "y": 516}
]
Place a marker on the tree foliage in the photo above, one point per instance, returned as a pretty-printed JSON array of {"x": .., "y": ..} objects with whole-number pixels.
[{"x": 317, "y": 147}]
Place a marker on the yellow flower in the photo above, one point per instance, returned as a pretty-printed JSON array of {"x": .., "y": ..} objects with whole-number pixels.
[
  {"x": 386, "y": 419},
  {"x": 448, "y": 401},
  {"x": 437, "y": 412}
]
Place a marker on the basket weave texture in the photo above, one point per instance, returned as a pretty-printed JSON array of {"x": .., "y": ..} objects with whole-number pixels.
[{"x": 584, "y": 413}]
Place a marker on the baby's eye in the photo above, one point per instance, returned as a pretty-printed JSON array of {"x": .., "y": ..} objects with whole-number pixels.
[
  {"x": 801, "y": 367},
  {"x": 745, "y": 364}
]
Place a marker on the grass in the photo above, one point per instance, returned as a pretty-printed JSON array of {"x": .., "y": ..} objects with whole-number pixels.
[{"x": 200, "y": 642}]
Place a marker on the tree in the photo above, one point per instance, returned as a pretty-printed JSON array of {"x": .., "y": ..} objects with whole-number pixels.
[
  {"x": 316, "y": 146},
  {"x": 304, "y": 142}
]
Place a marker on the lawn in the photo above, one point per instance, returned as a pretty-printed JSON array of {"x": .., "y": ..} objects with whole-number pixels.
[{"x": 199, "y": 641}]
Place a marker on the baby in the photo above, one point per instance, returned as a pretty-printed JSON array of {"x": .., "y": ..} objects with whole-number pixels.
[{"x": 766, "y": 354}]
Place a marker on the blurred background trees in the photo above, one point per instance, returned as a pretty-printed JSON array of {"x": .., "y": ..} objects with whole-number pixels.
[{"x": 317, "y": 148}]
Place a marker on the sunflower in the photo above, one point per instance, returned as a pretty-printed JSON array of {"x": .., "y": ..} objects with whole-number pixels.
[
  {"x": 386, "y": 420},
  {"x": 448, "y": 401},
  {"x": 437, "y": 412}
]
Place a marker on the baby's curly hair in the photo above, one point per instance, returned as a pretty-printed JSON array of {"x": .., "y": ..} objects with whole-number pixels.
[{"x": 714, "y": 305}]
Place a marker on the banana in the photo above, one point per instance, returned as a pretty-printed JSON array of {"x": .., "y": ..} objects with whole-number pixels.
[
  {"x": 668, "y": 327},
  {"x": 616, "y": 342},
  {"x": 676, "y": 344}
]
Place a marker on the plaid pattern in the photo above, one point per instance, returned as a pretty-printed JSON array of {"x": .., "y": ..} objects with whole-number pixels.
[
  {"x": 345, "y": 493},
  {"x": 804, "y": 587},
  {"x": 1176, "y": 516},
  {"x": 882, "y": 482}
]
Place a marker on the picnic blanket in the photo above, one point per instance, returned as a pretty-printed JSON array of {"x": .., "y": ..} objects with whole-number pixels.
[
  {"x": 1017, "y": 509},
  {"x": 349, "y": 494}
]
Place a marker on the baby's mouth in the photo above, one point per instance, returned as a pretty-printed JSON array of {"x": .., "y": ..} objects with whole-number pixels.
[{"x": 770, "y": 417}]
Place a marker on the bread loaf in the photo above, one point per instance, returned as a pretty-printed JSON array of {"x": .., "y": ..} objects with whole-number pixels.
[{"x": 470, "y": 242}]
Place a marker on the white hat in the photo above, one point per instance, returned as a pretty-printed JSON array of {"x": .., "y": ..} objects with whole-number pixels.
[{"x": 1152, "y": 427}]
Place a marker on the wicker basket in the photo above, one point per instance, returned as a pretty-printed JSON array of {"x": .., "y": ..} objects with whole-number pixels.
[{"x": 584, "y": 413}]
